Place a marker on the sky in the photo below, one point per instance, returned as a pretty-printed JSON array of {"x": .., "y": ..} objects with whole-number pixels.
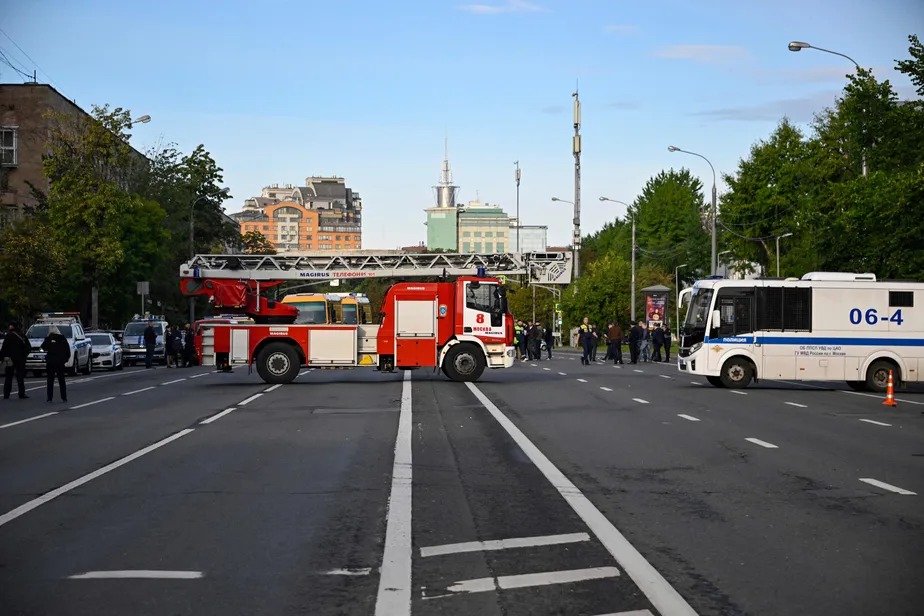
[{"x": 279, "y": 90}]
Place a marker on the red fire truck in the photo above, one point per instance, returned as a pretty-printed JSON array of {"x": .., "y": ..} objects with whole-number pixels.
[{"x": 461, "y": 327}]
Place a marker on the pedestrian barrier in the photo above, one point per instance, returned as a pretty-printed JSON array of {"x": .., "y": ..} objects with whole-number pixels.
[{"x": 890, "y": 393}]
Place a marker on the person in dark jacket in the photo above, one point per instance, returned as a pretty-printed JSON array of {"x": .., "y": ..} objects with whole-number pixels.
[
  {"x": 657, "y": 341},
  {"x": 150, "y": 341},
  {"x": 57, "y": 353},
  {"x": 586, "y": 338},
  {"x": 614, "y": 336},
  {"x": 667, "y": 343},
  {"x": 535, "y": 341},
  {"x": 635, "y": 340},
  {"x": 13, "y": 355},
  {"x": 549, "y": 339},
  {"x": 189, "y": 346}
]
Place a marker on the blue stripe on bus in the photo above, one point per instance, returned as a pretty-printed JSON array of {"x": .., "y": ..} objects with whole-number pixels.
[{"x": 903, "y": 342}]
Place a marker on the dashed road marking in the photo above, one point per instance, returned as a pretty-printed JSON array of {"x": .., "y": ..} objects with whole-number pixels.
[
  {"x": 533, "y": 365},
  {"x": 871, "y": 421},
  {"x": 887, "y": 486},
  {"x": 640, "y": 401},
  {"x": 174, "y": 381},
  {"x": 582, "y": 380},
  {"x": 217, "y": 416},
  {"x": 606, "y": 389},
  {"x": 796, "y": 404},
  {"x": 196, "y": 376},
  {"x": 53, "y": 494},
  {"x": 527, "y": 580},
  {"x": 137, "y": 391},
  {"x": 563, "y": 374},
  {"x": 664, "y": 376},
  {"x": 272, "y": 388},
  {"x": 502, "y": 544},
  {"x": 137, "y": 574},
  {"x": 687, "y": 417},
  {"x": 350, "y": 572},
  {"x": 22, "y": 421},
  {"x": 695, "y": 383},
  {"x": 757, "y": 441},
  {"x": 740, "y": 393},
  {"x": 637, "y": 370},
  {"x": 547, "y": 369},
  {"x": 250, "y": 399},
  {"x": 85, "y": 404}
]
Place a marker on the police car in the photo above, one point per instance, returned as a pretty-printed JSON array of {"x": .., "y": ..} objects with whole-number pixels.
[
  {"x": 68, "y": 323},
  {"x": 133, "y": 349}
]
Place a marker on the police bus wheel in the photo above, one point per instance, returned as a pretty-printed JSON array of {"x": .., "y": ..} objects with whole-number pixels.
[
  {"x": 464, "y": 362},
  {"x": 877, "y": 376},
  {"x": 737, "y": 373},
  {"x": 278, "y": 362}
]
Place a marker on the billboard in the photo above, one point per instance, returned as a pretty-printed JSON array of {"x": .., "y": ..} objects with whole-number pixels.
[{"x": 655, "y": 308}]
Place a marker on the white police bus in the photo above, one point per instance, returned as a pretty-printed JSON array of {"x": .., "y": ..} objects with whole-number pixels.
[{"x": 826, "y": 326}]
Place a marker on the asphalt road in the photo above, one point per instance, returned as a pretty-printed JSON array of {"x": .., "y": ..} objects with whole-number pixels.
[{"x": 550, "y": 488}]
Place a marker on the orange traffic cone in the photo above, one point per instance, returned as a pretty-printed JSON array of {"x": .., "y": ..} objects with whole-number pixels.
[{"x": 890, "y": 393}]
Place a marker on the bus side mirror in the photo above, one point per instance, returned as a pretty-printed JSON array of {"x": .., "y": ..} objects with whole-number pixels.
[{"x": 716, "y": 319}]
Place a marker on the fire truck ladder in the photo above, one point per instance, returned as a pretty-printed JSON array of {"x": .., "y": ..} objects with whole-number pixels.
[{"x": 540, "y": 267}]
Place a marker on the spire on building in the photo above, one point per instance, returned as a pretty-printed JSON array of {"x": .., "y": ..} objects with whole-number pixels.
[{"x": 446, "y": 191}]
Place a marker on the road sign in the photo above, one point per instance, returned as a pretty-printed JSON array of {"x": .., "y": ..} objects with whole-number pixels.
[{"x": 144, "y": 287}]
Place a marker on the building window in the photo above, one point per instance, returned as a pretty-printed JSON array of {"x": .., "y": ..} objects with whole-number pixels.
[
  {"x": 500, "y": 247},
  {"x": 477, "y": 233},
  {"x": 477, "y": 247},
  {"x": 466, "y": 234},
  {"x": 466, "y": 247},
  {"x": 489, "y": 246},
  {"x": 9, "y": 146},
  {"x": 266, "y": 227},
  {"x": 346, "y": 238},
  {"x": 489, "y": 234}
]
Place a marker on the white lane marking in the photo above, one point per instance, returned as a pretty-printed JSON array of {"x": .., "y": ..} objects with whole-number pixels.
[
  {"x": 350, "y": 572},
  {"x": 563, "y": 374},
  {"x": 740, "y": 393},
  {"x": 502, "y": 544},
  {"x": 687, "y": 417},
  {"x": 887, "y": 486},
  {"x": 796, "y": 404},
  {"x": 174, "y": 381},
  {"x": 80, "y": 406},
  {"x": 303, "y": 372},
  {"x": 217, "y": 416},
  {"x": 661, "y": 594},
  {"x": 196, "y": 376},
  {"x": 48, "y": 496},
  {"x": 606, "y": 389},
  {"x": 871, "y": 421},
  {"x": 582, "y": 380},
  {"x": 249, "y": 400},
  {"x": 860, "y": 393},
  {"x": 533, "y": 365},
  {"x": 695, "y": 383},
  {"x": 143, "y": 574},
  {"x": 630, "y": 613},
  {"x": 546, "y": 368},
  {"x": 637, "y": 370},
  {"x": 394, "y": 596},
  {"x": 664, "y": 376},
  {"x": 272, "y": 388},
  {"x": 757, "y": 441},
  {"x": 640, "y": 401},
  {"x": 533, "y": 579},
  {"x": 137, "y": 391},
  {"x": 22, "y": 421}
]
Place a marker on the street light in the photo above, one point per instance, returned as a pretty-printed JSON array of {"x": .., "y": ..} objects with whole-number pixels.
[
  {"x": 715, "y": 264},
  {"x": 677, "y": 289},
  {"x": 778, "y": 238},
  {"x": 725, "y": 266},
  {"x": 799, "y": 46},
  {"x": 142, "y": 120},
  {"x": 632, "y": 300},
  {"x": 224, "y": 194}
]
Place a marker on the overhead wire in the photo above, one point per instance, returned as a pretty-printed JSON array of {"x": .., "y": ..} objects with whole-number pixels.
[{"x": 23, "y": 51}]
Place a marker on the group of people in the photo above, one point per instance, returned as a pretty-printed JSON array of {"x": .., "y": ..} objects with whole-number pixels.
[
  {"x": 645, "y": 343},
  {"x": 181, "y": 350},
  {"x": 528, "y": 338},
  {"x": 15, "y": 351}
]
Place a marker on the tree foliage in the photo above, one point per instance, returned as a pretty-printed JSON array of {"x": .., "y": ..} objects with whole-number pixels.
[
  {"x": 31, "y": 260},
  {"x": 255, "y": 243}
]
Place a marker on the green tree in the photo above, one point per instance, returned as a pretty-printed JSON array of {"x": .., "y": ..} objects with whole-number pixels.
[
  {"x": 670, "y": 216},
  {"x": 31, "y": 260},
  {"x": 255, "y": 243}
]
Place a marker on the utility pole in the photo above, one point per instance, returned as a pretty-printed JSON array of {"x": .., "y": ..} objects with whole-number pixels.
[
  {"x": 517, "y": 175},
  {"x": 576, "y": 147},
  {"x": 632, "y": 308}
]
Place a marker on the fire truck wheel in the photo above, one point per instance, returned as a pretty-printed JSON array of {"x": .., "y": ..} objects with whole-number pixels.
[
  {"x": 278, "y": 362},
  {"x": 464, "y": 362}
]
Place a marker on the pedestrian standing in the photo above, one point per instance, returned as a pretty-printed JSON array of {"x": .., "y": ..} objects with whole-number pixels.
[
  {"x": 615, "y": 335},
  {"x": 645, "y": 345},
  {"x": 150, "y": 341},
  {"x": 57, "y": 354},
  {"x": 586, "y": 339},
  {"x": 657, "y": 341},
  {"x": 189, "y": 346},
  {"x": 667, "y": 343},
  {"x": 596, "y": 341},
  {"x": 549, "y": 340},
  {"x": 176, "y": 346},
  {"x": 635, "y": 341},
  {"x": 13, "y": 356}
]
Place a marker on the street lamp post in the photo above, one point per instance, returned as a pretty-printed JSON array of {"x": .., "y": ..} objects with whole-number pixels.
[
  {"x": 517, "y": 177},
  {"x": 799, "y": 46},
  {"x": 714, "y": 214},
  {"x": 778, "y": 238},
  {"x": 192, "y": 248},
  {"x": 632, "y": 300},
  {"x": 677, "y": 289}
]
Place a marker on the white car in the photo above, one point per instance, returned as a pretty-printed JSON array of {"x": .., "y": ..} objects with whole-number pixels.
[
  {"x": 80, "y": 360},
  {"x": 107, "y": 352}
]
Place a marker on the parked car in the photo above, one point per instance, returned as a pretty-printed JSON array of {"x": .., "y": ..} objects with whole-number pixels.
[
  {"x": 71, "y": 328},
  {"x": 106, "y": 350}
]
